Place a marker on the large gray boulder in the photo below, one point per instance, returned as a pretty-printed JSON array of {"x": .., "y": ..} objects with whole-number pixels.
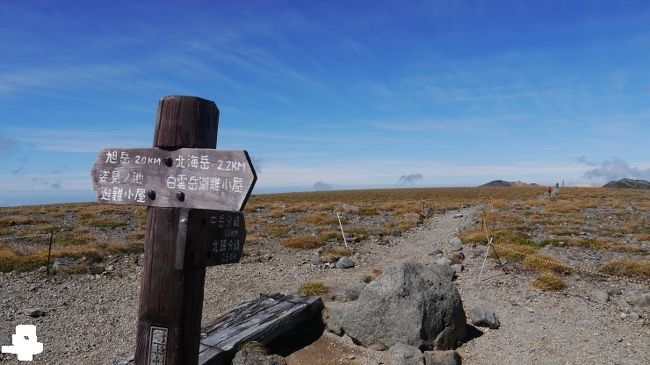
[{"x": 412, "y": 303}]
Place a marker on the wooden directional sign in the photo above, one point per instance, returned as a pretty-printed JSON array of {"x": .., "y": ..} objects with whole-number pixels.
[
  {"x": 219, "y": 235},
  {"x": 184, "y": 178}
]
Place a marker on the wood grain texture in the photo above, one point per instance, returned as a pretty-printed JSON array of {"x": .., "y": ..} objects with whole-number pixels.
[
  {"x": 261, "y": 320},
  {"x": 171, "y": 298}
]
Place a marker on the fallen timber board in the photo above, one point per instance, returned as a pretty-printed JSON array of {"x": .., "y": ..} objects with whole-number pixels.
[{"x": 260, "y": 320}]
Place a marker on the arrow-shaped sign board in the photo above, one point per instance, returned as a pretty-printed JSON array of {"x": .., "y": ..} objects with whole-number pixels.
[{"x": 184, "y": 178}]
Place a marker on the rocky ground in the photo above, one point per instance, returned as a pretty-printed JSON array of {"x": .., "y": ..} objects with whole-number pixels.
[{"x": 90, "y": 319}]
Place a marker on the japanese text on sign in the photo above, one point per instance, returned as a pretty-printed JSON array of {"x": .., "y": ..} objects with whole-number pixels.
[
  {"x": 204, "y": 178},
  {"x": 227, "y": 245}
]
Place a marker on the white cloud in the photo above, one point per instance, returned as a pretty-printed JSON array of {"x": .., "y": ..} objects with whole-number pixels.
[{"x": 616, "y": 169}]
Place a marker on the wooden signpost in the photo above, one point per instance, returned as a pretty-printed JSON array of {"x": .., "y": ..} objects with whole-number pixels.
[
  {"x": 195, "y": 194},
  {"x": 184, "y": 178}
]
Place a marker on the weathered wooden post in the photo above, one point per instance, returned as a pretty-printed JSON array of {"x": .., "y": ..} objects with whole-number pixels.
[
  {"x": 194, "y": 194},
  {"x": 168, "y": 324}
]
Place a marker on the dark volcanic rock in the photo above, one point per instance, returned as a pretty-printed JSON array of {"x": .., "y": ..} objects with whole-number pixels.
[
  {"x": 628, "y": 184},
  {"x": 496, "y": 183}
]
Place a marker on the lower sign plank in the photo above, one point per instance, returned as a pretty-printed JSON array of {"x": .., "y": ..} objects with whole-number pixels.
[
  {"x": 218, "y": 237},
  {"x": 184, "y": 178}
]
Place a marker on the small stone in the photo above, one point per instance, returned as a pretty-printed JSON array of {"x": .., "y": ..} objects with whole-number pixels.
[
  {"x": 316, "y": 260},
  {"x": 444, "y": 261},
  {"x": 436, "y": 252},
  {"x": 634, "y": 316},
  {"x": 458, "y": 268},
  {"x": 403, "y": 354},
  {"x": 457, "y": 257},
  {"x": 62, "y": 262},
  {"x": 614, "y": 290},
  {"x": 599, "y": 296},
  {"x": 34, "y": 312},
  {"x": 351, "y": 239},
  {"x": 459, "y": 215},
  {"x": 638, "y": 299},
  {"x": 456, "y": 243},
  {"x": 345, "y": 263},
  {"x": 96, "y": 269},
  {"x": 484, "y": 317},
  {"x": 449, "y": 357}
]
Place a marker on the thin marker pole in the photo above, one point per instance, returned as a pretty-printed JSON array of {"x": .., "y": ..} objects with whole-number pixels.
[
  {"x": 49, "y": 252},
  {"x": 342, "y": 233}
]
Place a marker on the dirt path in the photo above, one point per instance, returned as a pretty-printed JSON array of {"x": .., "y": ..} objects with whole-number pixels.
[{"x": 91, "y": 320}]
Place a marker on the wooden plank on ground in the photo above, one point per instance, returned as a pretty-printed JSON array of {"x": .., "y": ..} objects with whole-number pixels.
[{"x": 260, "y": 320}]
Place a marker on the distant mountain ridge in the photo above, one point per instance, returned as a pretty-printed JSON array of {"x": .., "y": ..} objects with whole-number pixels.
[
  {"x": 628, "y": 184},
  {"x": 507, "y": 183}
]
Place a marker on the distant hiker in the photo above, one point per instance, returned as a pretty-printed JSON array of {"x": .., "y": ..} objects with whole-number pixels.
[
  {"x": 549, "y": 190},
  {"x": 557, "y": 185}
]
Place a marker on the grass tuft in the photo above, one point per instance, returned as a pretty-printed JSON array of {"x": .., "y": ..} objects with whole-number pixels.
[
  {"x": 15, "y": 220},
  {"x": 549, "y": 282},
  {"x": 543, "y": 263},
  {"x": 106, "y": 222},
  {"x": 627, "y": 267},
  {"x": 255, "y": 346},
  {"x": 332, "y": 254},
  {"x": 275, "y": 230},
  {"x": 313, "y": 288},
  {"x": 302, "y": 242},
  {"x": 320, "y": 219}
]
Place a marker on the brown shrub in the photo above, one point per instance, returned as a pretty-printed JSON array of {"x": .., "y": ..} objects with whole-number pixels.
[
  {"x": 550, "y": 282},
  {"x": 539, "y": 262},
  {"x": 320, "y": 219},
  {"x": 332, "y": 254},
  {"x": 15, "y": 220},
  {"x": 277, "y": 230},
  {"x": 302, "y": 242},
  {"x": 627, "y": 267}
]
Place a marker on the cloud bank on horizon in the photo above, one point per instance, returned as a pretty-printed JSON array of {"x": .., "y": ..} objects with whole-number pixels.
[
  {"x": 344, "y": 94},
  {"x": 614, "y": 169}
]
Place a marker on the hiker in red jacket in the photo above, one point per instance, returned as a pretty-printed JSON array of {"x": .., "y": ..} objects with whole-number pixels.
[{"x": 550, "y": 190}]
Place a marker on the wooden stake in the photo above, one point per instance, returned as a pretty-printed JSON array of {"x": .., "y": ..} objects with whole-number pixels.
[{"x": 171, "y": 299}]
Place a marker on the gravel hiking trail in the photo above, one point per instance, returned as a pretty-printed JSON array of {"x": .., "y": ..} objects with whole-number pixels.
[{"x": 90, "y": 319}]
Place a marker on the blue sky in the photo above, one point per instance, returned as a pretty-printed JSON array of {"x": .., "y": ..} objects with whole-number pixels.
[{"x": 340, "y": 93}]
